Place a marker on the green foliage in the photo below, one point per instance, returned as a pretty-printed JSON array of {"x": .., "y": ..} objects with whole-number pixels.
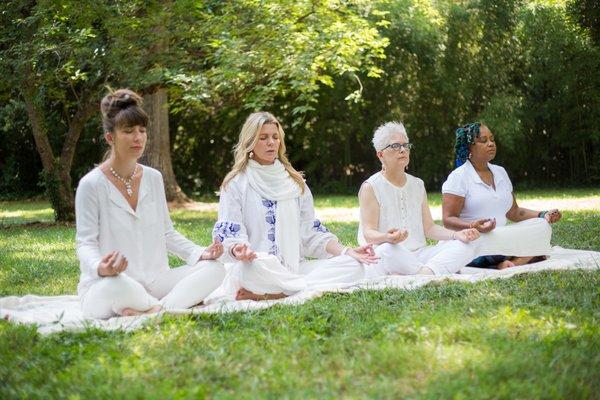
[
  {"x": 522, "y": 67},
  {"x": 587, "y": 15},
  {"x": 332, "y": 71},
  {"x": 219, "y": 59}
]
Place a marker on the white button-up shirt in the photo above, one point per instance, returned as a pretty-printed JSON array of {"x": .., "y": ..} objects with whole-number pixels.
[
  {"x": 106, "y": 222},
  {"x": 481, "y": 200}
]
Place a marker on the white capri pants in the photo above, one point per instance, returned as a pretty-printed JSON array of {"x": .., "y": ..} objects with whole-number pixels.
[
  {"x": 267, "y": 275},
  {"x": 529, "y": 237},
  {"x": 177, "y": 288},
  {"x": 444, "y": 258}
]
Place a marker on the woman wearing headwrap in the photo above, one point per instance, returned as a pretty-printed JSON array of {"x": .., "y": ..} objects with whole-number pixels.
[{"x": 478, "y": 194}]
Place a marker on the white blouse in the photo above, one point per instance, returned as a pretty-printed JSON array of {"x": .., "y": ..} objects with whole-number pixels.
[
  {"x": 105, "y": 222},
  {"x": 481, "y": 200},
  {"x": 399, "y": 207},
  {"x": 245, "y": 217}
]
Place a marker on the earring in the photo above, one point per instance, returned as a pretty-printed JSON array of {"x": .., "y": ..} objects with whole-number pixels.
[
  {"x": 406, "y": 168},
  {"x": 251, "y": 154},
  {"x": 470, "y": 154}
]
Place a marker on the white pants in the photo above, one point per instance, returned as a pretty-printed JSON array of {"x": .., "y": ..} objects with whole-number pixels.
[
  {"x": 529, "y": 237},
  {"x": 526, "y": 238},
  {"x": 180, "y": 287},
  {"x": 266, "y": 275},
  {"x": 444, "y": 258}
]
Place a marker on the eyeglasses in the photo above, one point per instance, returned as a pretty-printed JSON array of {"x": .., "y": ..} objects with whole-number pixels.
[{"x": 399, "y": 146}]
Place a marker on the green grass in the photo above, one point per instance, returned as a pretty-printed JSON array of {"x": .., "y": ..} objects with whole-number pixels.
[
  {"x": 435, "y": 198},
  {"x": 533, "y": 336},
  {"x": 20, "y": 212}
]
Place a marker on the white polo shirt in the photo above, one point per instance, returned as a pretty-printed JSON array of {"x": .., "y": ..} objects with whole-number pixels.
[{"x": 481, "y": 200}]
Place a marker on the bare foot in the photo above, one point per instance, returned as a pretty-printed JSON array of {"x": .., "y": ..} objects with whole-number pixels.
[
  {"x": 505, "y": 264},
  {"x": 426, "y": 271},
  {"x": 521, "y": 260},
  {"x": 244, "y": 294},
  {"x": 130, "y": 312},
  {"x": 153, "y": 310}
]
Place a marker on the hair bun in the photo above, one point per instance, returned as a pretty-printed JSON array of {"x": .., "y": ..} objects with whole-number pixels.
[
  {"x": 124, "y": 98},
  {"x": 119, "y": 100}
]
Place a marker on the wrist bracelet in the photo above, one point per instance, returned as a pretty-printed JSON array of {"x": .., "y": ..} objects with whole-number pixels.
[
  {"x": 542, "y": 214},
  {"x": 345, "y": 251}
]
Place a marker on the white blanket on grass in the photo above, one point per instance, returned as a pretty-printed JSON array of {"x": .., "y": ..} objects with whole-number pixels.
[{"x": 60, "y": 313}]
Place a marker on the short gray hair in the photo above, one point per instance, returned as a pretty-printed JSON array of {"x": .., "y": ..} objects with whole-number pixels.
[{"x": 382, "y": 134}]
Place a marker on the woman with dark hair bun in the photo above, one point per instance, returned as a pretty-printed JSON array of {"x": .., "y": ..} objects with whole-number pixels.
[
  {"x": 478, "y": 194},
  {"x": 124, "y": 230}
]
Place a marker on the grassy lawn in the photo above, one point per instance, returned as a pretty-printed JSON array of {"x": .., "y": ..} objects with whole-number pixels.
[{"x": 533, "y": 336}]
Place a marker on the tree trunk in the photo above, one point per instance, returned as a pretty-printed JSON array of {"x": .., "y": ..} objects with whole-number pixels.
[
  {"x": 158, "y": 148},
  {"x": 57, "y": 172}
]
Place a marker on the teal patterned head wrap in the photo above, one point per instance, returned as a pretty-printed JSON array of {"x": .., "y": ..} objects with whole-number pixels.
[{"x": 465, "y": 136}]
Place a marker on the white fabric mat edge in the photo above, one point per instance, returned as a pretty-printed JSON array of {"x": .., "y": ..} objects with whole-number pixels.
[{"x": 62, "y": 313}]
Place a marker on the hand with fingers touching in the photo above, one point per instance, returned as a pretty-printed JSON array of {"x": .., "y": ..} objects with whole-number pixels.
[
  {"x": 552, "y": 216},
  {"x": 466, "y": 235},
  {"x": 212, "y": 252},
  {"x": 112, "y": 264},
  {"x": 484, "y": 225},
  {"x": 395, "y": 235},
  {"x": 364, "y": 254},
  {"x": 242, "y": 252}
]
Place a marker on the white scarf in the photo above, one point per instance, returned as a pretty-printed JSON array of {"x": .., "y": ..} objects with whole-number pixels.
[{"x": 272, "y": 182}]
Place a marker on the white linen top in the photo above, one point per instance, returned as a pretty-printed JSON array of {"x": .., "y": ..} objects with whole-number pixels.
[
  {"x": 399, "y": 207},
  {"x": 245, "y": 217},
  {"x": 105, "y": 222},
  {"x": 481, "y": 200}
]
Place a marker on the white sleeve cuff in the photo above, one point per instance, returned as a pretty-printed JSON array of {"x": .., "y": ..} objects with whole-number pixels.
[{"x": 194, "y": 257}]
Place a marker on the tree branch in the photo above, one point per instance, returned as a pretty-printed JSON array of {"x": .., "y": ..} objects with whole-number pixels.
[{"x": 87, "y": 108}]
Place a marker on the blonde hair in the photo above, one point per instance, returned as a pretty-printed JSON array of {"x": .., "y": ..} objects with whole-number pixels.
[{"x": 249, "y": 136}]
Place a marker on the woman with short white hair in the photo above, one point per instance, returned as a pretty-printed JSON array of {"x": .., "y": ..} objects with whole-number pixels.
[
  {"x": 268, "y": 227},
  {"x": 395, "y": 215}
]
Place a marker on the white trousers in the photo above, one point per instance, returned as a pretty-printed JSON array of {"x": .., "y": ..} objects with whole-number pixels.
[
  {"x": 267, "y": 275},
  {"x": 444, "y": 258},
  {"x": 525, "y": 238},
  {"x": 180, "y": 287}
]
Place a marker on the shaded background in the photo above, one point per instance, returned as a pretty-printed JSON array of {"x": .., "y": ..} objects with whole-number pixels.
[{"x": 331, "y": 71}]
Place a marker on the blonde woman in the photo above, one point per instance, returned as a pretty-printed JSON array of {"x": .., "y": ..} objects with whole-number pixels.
[
  {"x": 268, "y": 227},
  {"x": 124, "y": 230}
]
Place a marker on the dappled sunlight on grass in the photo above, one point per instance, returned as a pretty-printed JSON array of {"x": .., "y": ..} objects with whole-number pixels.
[
  {"x": 533, "y": 335},
  {"x": 455, "y": 340},
  {"x": 19, "y": 212}
]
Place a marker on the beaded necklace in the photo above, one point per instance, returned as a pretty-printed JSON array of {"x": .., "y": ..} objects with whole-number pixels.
[{"x": 126, "y": 182}]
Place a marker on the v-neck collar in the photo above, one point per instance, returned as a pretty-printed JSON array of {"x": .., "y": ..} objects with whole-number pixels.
[
  {"x": 495, "y": 175},
  {"x": 120, "y": 201}
]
